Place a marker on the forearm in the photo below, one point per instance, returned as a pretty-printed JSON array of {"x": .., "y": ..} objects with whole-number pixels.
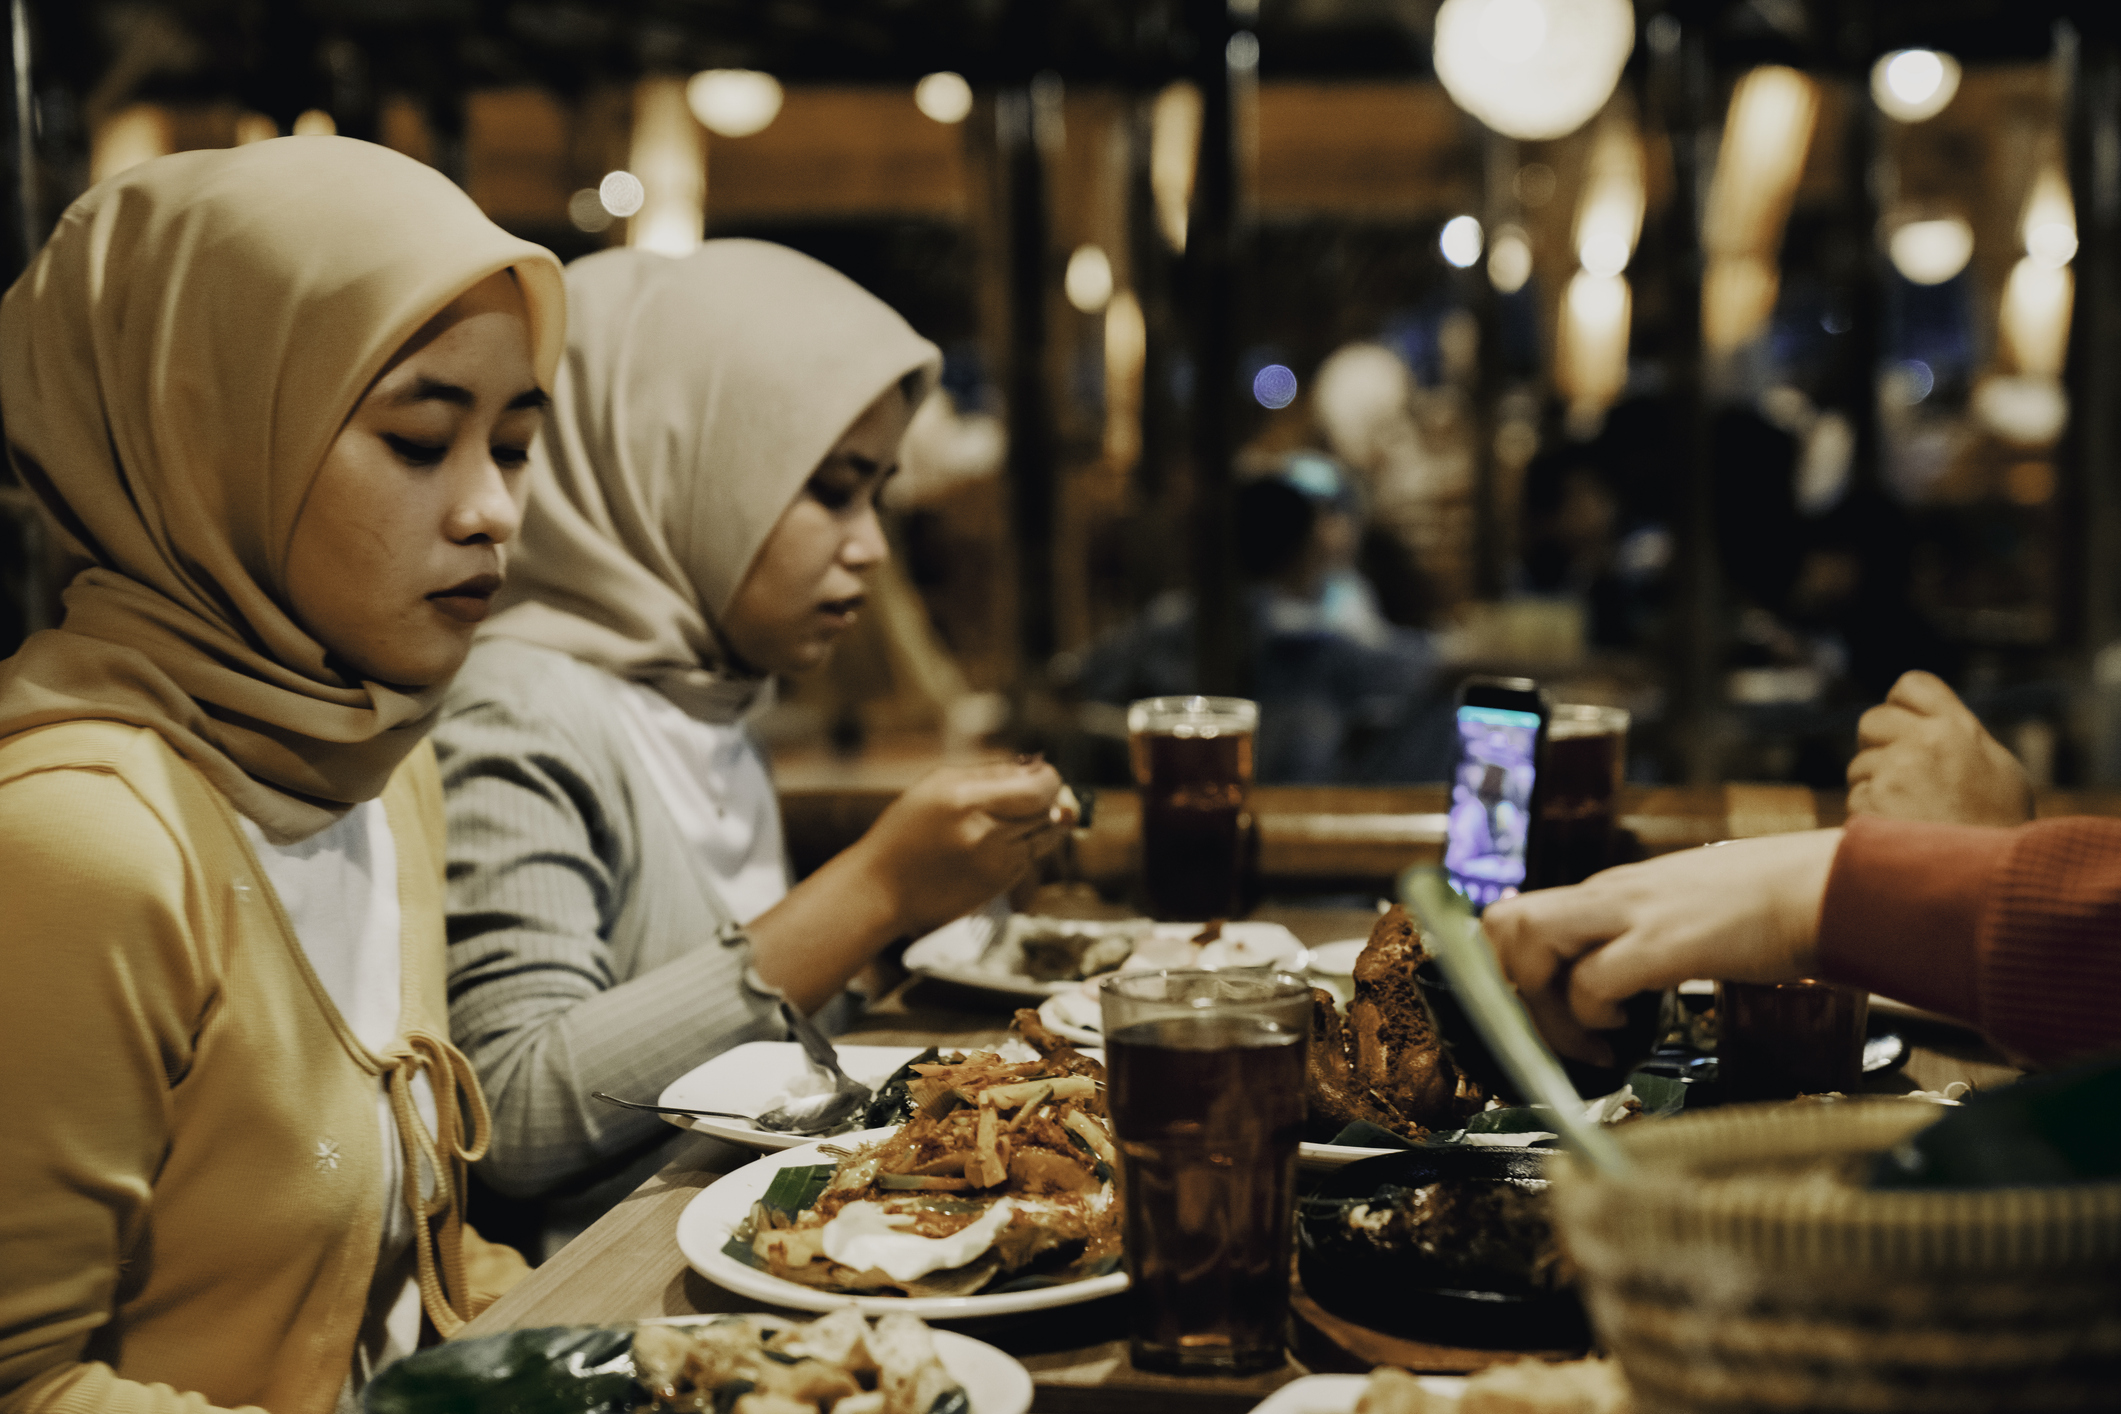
[
  {"x": 542, "y": 1038},
  {"x": 813, "y": 942}
]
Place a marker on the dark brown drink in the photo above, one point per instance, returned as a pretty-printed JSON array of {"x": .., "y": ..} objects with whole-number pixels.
[
  {"x": 1208, "y": 1113},
  {"x": 1579, "y": 776},
  {"x": 1778, "y": 1040},
  {"x": 1194, "y": 822},
  {"x": 1193, "y": 763}
]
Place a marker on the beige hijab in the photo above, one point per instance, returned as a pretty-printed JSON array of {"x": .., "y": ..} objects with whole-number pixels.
[
  {"x": 696, "y": 398},
  {"x": 173, "y": 368}
]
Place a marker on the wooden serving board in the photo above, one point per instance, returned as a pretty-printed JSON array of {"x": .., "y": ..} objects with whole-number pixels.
[{"x": 1328, "y": 1344}]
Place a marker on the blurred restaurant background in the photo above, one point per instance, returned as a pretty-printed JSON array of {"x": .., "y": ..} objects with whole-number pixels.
[{"x": 1715, "y": 359}]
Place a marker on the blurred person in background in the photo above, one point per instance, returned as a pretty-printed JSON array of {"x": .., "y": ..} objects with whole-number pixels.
[
  {"x": 1344, "y": 694},
  {"x": 702, "y": 517}
]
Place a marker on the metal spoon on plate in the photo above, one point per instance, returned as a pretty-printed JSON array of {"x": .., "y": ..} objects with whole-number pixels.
[{"x": 813, "y": 1114}]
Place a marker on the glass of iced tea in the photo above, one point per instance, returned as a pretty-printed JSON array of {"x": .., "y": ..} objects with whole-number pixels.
[
  {"x": 1778, "y": 1040},
  {"x": 1193, "y": 764},
  {"x": 1206, "y": 1071},
  {"x": 1572, "y": 827}
]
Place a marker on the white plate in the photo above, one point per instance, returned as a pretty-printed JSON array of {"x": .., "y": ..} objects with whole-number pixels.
[
  {"x": 994, "y": 1381},
  {"x": 709, "y": 1220},
  {"x": 1336, "y": 1394},
  {"x": 761, "y": 1074},
  {"x": 1337, "y": 959},
  {"x": 957, "y": 953}
]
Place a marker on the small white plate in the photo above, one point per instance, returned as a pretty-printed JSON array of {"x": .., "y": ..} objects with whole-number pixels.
[
  {"x": 721, "y": 1207},
  {"x": 958, "y": 952},
  {"x": 1336, "y": 1394},
  {"x": 1337, "y": 959},
  {"x": 758, "y": 1075},
  {"x": 995, "y": 1382}
]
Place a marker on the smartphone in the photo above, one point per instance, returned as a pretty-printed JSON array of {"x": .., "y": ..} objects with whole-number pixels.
[{"x": 1487, "y": 838}]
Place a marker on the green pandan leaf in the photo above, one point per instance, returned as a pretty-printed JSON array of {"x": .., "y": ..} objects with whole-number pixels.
[
  {"x": 556, "y": 1370},
  {"x": 738, "y": 1249},
  {"x": 1660, "y": 1094},
  {"x": 1526, "y": 1119},
  {"x": 794, "y": 1189}
]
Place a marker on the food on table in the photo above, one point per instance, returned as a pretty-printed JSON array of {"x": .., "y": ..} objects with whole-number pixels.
[
  {"x": 1519, "y": 1387},
  {"x": 1004, "y": 1172},
  {"x": 1478, "y": 1234},
  {"x": 1536, "y": 1387},
  {"x": 1385, "y": 1063},
  {"x": 837, "y": 1364},
  {"x": 1392, "y": 1390},
  {"x": 1068, "y": 949}
]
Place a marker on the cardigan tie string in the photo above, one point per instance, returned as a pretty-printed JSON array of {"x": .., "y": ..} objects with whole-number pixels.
[{"x": 439, "y": 1219}]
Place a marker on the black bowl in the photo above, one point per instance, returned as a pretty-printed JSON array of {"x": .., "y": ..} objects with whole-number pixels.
[{"x": 1402, "y": 1292}]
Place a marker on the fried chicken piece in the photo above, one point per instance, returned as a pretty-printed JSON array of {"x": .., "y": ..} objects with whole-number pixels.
[
  {"x": 1056, "y": 1050},
  {"x": 1394, "y": 1046},
  {"x": 1385, "y": 1063},
  {"x": 1333, "y": 1097}
]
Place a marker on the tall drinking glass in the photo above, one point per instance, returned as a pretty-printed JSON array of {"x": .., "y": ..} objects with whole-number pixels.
[
  {"x": 1207, "y": 1074},
  {"x": 1586, "y": 758},
  {"x": 1193, "y": 764}
]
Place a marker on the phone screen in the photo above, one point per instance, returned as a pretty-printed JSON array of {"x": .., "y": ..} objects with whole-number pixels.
[{"x": 1491, "y": 802}]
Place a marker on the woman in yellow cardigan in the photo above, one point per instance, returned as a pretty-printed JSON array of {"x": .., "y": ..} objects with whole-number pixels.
[{"x": 278, "y": 399}]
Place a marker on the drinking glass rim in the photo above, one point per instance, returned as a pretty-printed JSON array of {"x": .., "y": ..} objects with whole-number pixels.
[
  {"x": 1192, "y": 709},
  {"x": 1275, "y": 986},
  {"x": 1599, "y": 718}
]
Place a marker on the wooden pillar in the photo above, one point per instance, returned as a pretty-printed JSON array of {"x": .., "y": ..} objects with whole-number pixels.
[
  {"x": 1032, "y": 488},
  {"x": 1211, "y": 288},
  {"x": 2095, "y": 330},
  {"x": 1679, "y": 81}
]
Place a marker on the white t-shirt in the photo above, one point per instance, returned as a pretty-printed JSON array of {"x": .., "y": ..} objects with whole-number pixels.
[
  {"x": 340, "y": 890},
  {"x": 715, "y": 785}
]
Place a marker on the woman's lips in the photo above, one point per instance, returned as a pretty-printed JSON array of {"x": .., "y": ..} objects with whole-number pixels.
[
  {"x": 468, "y": 602},
  {"x": 840, "y": 613}
]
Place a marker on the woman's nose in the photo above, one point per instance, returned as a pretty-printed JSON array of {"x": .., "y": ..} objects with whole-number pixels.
[
  {"x": 488, "y": 510},
  {"x": 865, "y": 546}
]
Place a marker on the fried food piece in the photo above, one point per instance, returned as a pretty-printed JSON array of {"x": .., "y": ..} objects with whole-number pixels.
[
  {"x": 1333, "y": 1096},
  {"x": 1392, "y": 1390},
  {"x": 1534, "y": 1387},
  {"x": 1385, "y": 1063}
]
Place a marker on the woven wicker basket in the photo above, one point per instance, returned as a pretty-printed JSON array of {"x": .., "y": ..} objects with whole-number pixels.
[{"x": 1740, "y": 1271}]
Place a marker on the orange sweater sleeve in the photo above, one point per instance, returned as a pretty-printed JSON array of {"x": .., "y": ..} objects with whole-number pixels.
[
  {"x": 97, "y": 1015},
  {"x": 2016, "y": 931}
]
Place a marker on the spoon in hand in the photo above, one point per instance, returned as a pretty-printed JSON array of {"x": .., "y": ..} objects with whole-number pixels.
[{"x": 813, "y": 1114}]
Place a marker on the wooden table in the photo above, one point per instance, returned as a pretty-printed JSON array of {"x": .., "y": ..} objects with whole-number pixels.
[{"x": 627, "y": 1265}]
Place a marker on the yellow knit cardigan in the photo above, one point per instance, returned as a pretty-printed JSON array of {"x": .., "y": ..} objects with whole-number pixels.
[{"x": 190, "y": 1212}]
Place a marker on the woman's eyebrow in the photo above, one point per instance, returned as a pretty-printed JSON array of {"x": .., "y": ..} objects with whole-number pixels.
[{"x": 434, "y": 390}]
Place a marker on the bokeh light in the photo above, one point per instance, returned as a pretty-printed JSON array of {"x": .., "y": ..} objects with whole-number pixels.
[
  {"x": 1088, "y": 282},
  {"x": 1460, "y": 241},
  {"x": 1931, "y": 252},
  {"x": 1509, "y": 261},
  {"x": 315, "y": 123},
  {"x": 944, "y": 96},
  {"x": 621, "y": 193},
  {"x": 734, "y": 102},
  {"x": 587, "y": 211},
  {"x": 1914, "y": 84},
  {"x": 1274, "y": 386},
  {"x": 1532, "y": 69}
]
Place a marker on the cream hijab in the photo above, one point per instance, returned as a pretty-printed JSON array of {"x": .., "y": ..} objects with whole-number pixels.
[
  {"x": 696, "y": 398},
  {"x": 173, "y": 368}
]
